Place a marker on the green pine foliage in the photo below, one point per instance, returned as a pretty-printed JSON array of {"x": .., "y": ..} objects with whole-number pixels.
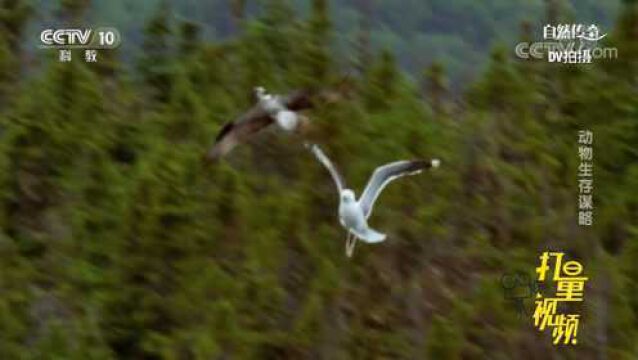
[{"x": 118, "y": 242}]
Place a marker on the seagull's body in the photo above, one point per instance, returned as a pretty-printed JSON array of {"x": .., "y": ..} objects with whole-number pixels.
[
  {"x": 353, "y": 213},
  {"x": 353, "y": 219}
]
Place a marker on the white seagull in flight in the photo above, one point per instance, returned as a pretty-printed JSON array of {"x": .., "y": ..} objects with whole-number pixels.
[{"x": 353, "y": 214}]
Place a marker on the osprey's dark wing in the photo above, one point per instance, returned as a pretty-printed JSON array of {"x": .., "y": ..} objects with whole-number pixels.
[
  {"x": 299, "y": 100},
  {"x": 251, "y": 122},
  {"x": 238, "y": 131}
]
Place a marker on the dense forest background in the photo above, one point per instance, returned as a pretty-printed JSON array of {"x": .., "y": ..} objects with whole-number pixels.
[
  {"x": 117, "y": 241},
  {"x": 458, "y": 33}
]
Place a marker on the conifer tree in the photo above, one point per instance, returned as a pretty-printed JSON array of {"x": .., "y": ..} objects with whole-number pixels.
[
  {"x": 364, "y": 51},
  {"x": 381, "y": 82},
  {"x": 14, "y": 15},
  {"x": 237, "y": 11},
  {"x": 73, "y": 10},
  {"x": 278, "y": 33},
  {"x": 315, "y": 55},
  {"x": 436, "y": 87},
  {"x": 156, "y": 64}
]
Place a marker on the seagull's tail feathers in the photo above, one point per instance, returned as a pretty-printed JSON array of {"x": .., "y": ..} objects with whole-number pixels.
[{"x": 370, "y": 236}]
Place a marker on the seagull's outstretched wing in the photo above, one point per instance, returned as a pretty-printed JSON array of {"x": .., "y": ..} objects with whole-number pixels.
[
  {"x": 328, "y": 164},
  {"x": 386, "y": 173}
]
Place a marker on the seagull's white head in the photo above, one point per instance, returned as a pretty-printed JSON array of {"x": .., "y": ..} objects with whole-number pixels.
[
  {"x": 347, "y": 196},
  {"x": 436, "y": 163}
]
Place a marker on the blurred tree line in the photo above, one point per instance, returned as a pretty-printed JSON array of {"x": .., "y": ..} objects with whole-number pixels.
[
  {"x": 459, "y": 33},
  {"x": 116, "y": 241}
]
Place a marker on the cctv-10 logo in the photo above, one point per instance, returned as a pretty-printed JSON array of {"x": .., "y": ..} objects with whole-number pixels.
[{"x": 100, "y": 38}]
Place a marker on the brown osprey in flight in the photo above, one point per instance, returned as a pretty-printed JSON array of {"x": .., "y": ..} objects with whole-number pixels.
[{"x": 270, "y": 109}]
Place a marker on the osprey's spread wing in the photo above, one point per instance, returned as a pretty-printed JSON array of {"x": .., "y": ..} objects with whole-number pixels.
[
  {"x": 251, "y": 122},
  {"x": 238, "y": 131}
]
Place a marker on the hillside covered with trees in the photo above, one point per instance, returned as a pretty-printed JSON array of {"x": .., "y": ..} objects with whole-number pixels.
[
  {"x": 118, "y": 242},
  {"x": 458, "y": 33}
]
